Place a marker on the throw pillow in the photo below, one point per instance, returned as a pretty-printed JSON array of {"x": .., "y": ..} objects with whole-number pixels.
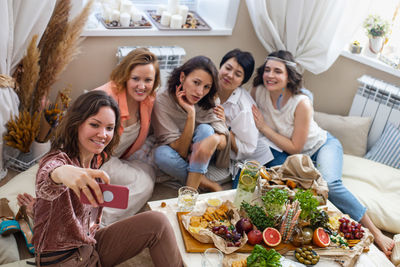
[
  {"x": 351, "y": 131},
  {"x": 387, "y": 149}
]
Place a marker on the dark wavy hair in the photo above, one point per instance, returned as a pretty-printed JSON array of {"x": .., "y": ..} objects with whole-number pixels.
[
  {"x": 295, "y": 79},
  {"x": 140, "y": 56},
  {"x": 196, "y": 63},
  {"x": 244, "y": 59},
  {"x": 85, "y": 106}
]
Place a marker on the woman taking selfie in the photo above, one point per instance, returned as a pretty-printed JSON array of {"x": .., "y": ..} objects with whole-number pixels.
[
  {"x": 186, "y": 129},
  {"x": 66, "y": 231}
]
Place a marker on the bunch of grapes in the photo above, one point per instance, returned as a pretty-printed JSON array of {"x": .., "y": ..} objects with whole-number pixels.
[
  {"x": 230, "y": 235},
  {"x": 351, "y": 230}
]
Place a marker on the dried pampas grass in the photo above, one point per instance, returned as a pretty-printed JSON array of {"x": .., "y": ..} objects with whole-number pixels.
[
  {"x": 30, "y": 74},
  {"x": 64, "y": 52}
]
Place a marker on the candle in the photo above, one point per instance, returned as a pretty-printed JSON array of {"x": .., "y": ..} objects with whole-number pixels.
[
  {"x": 125, "y": 19},
  {"x": 173, "y": 6},
  {"x": 183, "y": 11},
  {"x": 165, "y": 18},
  {"x": 125, "y": 7},
  {"x": 161, "y": 9},
  {"x": 107, "y": 11},
  {"x": 176, "y": 21},
  {"x": 115, "y": 15},
  {"x": 136, "y": 14}
]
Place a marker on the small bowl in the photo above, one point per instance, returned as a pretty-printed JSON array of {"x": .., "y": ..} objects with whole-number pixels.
[
  {"x": 309, "y": 265},
  {"x": 214, "y": 202}
]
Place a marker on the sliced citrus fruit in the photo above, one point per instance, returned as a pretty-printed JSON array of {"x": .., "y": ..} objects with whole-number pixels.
[
  {"x": 246, "y": 180},
  {"x": 272, "y": 237},
  {"x": 321, "y": 238},
  {"x": 264, "y": 174}
]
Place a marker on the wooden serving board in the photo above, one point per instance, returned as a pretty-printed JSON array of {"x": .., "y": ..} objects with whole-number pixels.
[{"x": 192, "y": 245}]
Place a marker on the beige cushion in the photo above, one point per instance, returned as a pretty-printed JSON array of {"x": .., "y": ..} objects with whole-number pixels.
[
  {"x": 377, "y": 186},
  {"x": 21, "y": 183},
  {"x": 24, "y": 182},
  {"x": 351, "y": 131}
]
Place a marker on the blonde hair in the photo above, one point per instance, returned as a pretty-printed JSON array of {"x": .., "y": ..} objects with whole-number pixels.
[{"x": 140, "y": 56}]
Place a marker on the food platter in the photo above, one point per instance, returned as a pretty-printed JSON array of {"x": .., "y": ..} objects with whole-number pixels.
[{"x": 193, "y": 22}]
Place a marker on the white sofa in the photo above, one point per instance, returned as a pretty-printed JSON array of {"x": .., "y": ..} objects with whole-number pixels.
[{"x": 376, "y": 185}]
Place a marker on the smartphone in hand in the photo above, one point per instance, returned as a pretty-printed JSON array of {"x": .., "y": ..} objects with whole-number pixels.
[{"x": 115, "y": 196}]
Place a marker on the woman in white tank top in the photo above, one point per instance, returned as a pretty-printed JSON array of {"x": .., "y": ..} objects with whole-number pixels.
[{"x": 285, "y": 116}]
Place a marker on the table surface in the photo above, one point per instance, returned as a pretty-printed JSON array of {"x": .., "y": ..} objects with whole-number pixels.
[{"x": 373, "y": 258}]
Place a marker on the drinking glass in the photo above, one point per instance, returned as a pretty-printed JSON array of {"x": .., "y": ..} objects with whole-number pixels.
[
  {"x": 187, "y": 197},
  {"x": 212, "y": 257}
]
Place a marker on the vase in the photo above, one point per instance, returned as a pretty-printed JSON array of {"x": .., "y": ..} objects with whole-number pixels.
[
  {"x": 376, "y": 44},
  {"x": 39, "y": 149}
]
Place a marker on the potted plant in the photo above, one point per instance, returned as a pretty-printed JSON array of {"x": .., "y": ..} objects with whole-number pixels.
[{"x": 377, "y": 29}]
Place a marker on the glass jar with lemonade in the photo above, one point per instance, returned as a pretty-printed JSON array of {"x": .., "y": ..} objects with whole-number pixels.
[{"x": 247, "y": 182}]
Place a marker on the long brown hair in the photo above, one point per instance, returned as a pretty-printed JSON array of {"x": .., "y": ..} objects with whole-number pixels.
[
  {"x": 85, "y": 106},
  {"x": 295, "y": 79},
  {"x": 140, "y": 56},
  {"x": 196, "y": 63}
]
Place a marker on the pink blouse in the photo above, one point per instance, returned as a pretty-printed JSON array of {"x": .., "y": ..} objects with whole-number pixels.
[{"x": 61, "y": 221}]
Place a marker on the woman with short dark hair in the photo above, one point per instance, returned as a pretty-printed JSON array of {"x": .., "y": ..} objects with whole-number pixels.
[{"x": 186, "y": 129}]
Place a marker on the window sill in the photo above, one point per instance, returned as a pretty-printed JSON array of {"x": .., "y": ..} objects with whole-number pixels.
[
  {"x": 372, "y": 62},
  {"x": 102, "y": 31}
]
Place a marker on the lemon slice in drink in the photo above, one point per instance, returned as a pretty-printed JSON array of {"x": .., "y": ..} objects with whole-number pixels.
[{"x": 247, "y": 180}]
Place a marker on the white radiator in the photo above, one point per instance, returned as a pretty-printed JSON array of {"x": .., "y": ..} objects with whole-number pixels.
[
  {"x": 169, "y": 57},
  {"x": 378, "y": 100}
]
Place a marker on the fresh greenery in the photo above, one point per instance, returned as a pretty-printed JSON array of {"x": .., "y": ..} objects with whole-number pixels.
[
  {"x": 258, "y": 216},
  {"x": 260, "y": 257},
  {"x": 376, "y": 26},
  {"x": 308, "y": 204},
  {"x": 274, "y": 200},
  {"x": 320, "y": 219}
]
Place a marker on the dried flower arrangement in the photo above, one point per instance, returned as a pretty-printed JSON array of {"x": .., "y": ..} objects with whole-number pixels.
[{"x": 38, "y": 70}]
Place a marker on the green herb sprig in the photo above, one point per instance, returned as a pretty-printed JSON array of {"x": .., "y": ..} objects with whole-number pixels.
[
  {"x": 258, "y": 216},
  {"x": 308, "y": 204},
  {"x": 261, "y": 257},
  {"x": 274, "y": 200}
]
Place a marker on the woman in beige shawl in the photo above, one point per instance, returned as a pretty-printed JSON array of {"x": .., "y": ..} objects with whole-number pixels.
[{"x": 187, "y": 131}]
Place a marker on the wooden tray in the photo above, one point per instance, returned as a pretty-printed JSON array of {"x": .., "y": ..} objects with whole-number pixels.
[
  {"x": 200, "y": 26},
  {"x": 142, "y": 24},
  {"x": 192, "y": 245}
]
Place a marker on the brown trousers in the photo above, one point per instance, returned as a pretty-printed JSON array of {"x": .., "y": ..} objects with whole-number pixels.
[{"x": 123, "y": 240}]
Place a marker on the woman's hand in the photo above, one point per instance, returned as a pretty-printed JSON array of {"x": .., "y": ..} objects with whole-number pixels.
[
  {"x": 182, "y": 101},
  {"x": 220, "y": 112},
  {"x": 83, "y": 179},
  {"x": 258, "y": 118}
]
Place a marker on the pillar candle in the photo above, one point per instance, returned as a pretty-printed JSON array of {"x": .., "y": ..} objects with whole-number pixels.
[
  {"x": 183, "y": 11},
  {"x": 176, "y": 21},
  {"x": 173, "y": 6},
  {"x": 125, "y": 19},
  {"x": 115, "y": 15},
  {"x": 161, "y": 9},
  {"x": 136, "y": 14},
  {"x": 165, "y": 18},
  {"x": 125, "y": 7}
]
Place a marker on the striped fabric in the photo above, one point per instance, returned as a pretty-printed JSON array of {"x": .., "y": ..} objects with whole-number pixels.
[{"x": 387, "y": 149}]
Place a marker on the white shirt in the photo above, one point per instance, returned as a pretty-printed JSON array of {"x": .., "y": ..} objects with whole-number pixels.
[
  {"x": 282, "y": 121},
  {"x": 239, "y": 118}
]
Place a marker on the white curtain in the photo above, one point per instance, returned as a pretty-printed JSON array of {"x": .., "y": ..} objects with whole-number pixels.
[
  {"x": 19, "y": 21},
  {"x": 314, "y": 31}
]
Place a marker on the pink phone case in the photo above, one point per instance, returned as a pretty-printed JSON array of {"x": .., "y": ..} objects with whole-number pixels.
[{"x": 115, "y": 196}]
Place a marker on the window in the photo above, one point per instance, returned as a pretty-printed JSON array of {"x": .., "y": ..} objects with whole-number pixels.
[{"x": 388, "y": 10}]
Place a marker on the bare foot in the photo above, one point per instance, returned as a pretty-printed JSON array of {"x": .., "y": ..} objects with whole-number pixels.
[
  {"x": 28, "y": 201},
  {"x": 384, "y": 243}
]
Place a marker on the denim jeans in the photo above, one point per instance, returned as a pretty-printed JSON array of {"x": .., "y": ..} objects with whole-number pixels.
[
  {"x": 329, "y": 161},
  {"x": 170, "y": 162}
]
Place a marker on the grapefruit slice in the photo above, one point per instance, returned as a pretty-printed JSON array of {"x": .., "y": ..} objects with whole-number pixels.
[
  {"x": 321, "y": 238},
  {"x": 272, "y": 237}
]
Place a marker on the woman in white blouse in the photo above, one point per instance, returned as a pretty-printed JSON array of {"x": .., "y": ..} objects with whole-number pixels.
[{"x": 247, "y": 143}]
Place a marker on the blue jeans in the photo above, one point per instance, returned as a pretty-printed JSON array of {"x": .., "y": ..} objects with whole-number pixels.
[
  {"x": 329, "y": 162},
  {"x": 170, "y": 162}
]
